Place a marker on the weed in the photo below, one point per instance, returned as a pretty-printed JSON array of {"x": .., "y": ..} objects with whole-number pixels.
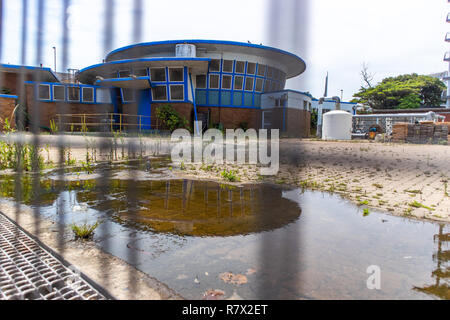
[
  {"x": 416, "y": 204},
  {"x": 84, "y": 231},
  {"x": 230, "y": 175},
  {"x": 377, "y": 185},
  {"x": 366, "y": 212}
]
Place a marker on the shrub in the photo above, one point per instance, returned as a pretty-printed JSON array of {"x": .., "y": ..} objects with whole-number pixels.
[{"x": 170, "y": 118}]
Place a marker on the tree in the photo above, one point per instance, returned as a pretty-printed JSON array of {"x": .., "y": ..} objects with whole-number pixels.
[
  {"x": 403, "y": 92},
  {"x": 366, "y": 76}
]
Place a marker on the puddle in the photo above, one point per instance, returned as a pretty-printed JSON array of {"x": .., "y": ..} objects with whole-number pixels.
[{"x": 253, "y": 242}]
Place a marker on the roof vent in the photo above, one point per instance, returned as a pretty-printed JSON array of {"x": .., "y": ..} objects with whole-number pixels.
[{"x": 185, "y": 51}]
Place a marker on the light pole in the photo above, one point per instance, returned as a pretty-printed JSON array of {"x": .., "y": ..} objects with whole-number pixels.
[
  {"x": 342, "y": 94},
  {"x": 54, "y": 56}
]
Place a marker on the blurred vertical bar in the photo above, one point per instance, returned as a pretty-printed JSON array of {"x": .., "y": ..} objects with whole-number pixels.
[
  {"x": 61, "y": 107},
  {"x": 280, "y": 257},
  {"x": 137, "y": 21},
  {"x": 105, "y": 143},
  {"x": 132, "y": 190},
  {"x": 35, "y": 124}
]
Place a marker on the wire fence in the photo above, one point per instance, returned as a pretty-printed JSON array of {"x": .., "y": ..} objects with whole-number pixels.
[{"x": 31, "y": 285}]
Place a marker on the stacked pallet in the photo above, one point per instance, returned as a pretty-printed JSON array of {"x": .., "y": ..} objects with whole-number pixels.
[
  {"x": 424, "y": 132},
  {"x": 400, "y": 132}
]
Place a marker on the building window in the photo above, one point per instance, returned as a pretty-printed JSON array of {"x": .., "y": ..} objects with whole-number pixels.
[
  {"x": 251, "y": 68},
  {"x": 276, "y": 74},
  {"x": 270, "y": 72},
  {"x": 140, "y": 72},
  {"x": 176, "y": 74},
  {"x": 158, "y": 74},
  {"x": 240, "y": 66},
  {"x": 88, "y": 94},
  {"x": 111, "y": 75},
  {"x": 259, "y": 85},
  {"x": 261, "y": 70},
  {"x": 177, "y": 92},
  {"x": 249, "y": 84},
  {"x": 201, "y": 81},
  {"x": 128, "y": 95},
  {"x": 227, "y": 66},
  {"x": 59, "y": 93},
  {"x": 226, "y": 82},
  {"x": 124, "y": 74},
  {"x": 266, "y": 85},
  {"x": 238, "y": 82},
  {"x": 214, "y": 65},
  {"x": 305, "y": 105},
  {"x": 44, "y": 92},
  {"x": 73, "y": 93},
  {"x": 103, "y": 95},
  {"x": 159, "y": 93},
  {"x": 213, "y": 81}
]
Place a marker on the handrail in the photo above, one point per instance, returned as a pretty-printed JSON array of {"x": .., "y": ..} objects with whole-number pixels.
[{"x": 88, "y": 120}]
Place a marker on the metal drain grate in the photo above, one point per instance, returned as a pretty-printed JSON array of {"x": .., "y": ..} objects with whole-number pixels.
[{"x": 30, "y": 272}]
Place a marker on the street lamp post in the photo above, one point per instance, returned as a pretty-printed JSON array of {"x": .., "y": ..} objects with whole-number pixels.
[{"x": 54, "y": 56}]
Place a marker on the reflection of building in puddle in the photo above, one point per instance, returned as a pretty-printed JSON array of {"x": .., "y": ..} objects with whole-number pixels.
[
  {"x": 441, "y": 287},
  {"x": 199, "y": 208}
]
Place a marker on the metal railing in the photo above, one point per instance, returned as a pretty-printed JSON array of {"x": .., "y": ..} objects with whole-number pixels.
[{"x": 103, "y": 122}]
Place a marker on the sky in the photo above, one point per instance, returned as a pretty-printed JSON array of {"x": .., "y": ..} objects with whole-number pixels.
[{"x": 391, "y": 37}]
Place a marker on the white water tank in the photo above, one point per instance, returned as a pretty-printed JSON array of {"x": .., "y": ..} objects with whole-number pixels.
[
  {"x": 185, "y": 50},
  {"x": 337, "y": 125}
]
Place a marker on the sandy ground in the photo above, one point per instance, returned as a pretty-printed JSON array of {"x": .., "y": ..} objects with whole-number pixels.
[{"x": 402, "y": 179}]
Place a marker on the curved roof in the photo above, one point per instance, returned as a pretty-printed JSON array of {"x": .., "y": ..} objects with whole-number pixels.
[
  {"x": 294, "y": 64},
  {"x": 89, "y": 74}
]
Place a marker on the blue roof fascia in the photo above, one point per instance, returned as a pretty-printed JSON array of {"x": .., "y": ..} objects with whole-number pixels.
[{"x": 197, "y": 41}]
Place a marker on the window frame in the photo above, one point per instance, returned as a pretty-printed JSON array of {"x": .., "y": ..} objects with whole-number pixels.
[
  {"x": 206, "y": 81},
  {"x": 259, "y": 68},
  {"x": 253, "y": 84},
  {"x": 242, "y": 84},
  {"x": 39, "y": 92},
  {"x": 64, "y": 91},
  {"x": 254, "y": 70},
  {"x": 68, "y": 94},
  {"x": 220, "y": 65},
  {"x": 261, "y": 80},
  {"x": 82, "y": 94},
  {"x": 170, "y": 76},
  {"x": 165, "y": 88},
  {"x": 120, "y": 77},
  {"x": 122, "y": 93},
  {"x": 231, "y": 81},
  {"x": 236, "y": 67},
  {"x": 170, "y": 92},
  {"x": 146, "y": 72},
  {"x": 223, "y": 66},
  {"x": 158, "y": 68},
  {"x": 218, "y": 81}
]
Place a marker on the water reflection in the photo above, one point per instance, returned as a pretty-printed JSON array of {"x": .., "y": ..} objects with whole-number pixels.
[
  {"x": 441, "y": 274},
  {"x": 185, "y": 230}
]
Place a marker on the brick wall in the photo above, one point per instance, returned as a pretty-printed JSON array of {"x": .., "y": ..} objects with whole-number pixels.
[
  {"x": 232, "y": 118},
  {"x": 49, "y": 110},
  {"x": 7, "y": 106}
]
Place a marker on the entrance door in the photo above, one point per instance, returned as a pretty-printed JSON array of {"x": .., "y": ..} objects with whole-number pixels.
[{"x": 267, "y": 119}]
